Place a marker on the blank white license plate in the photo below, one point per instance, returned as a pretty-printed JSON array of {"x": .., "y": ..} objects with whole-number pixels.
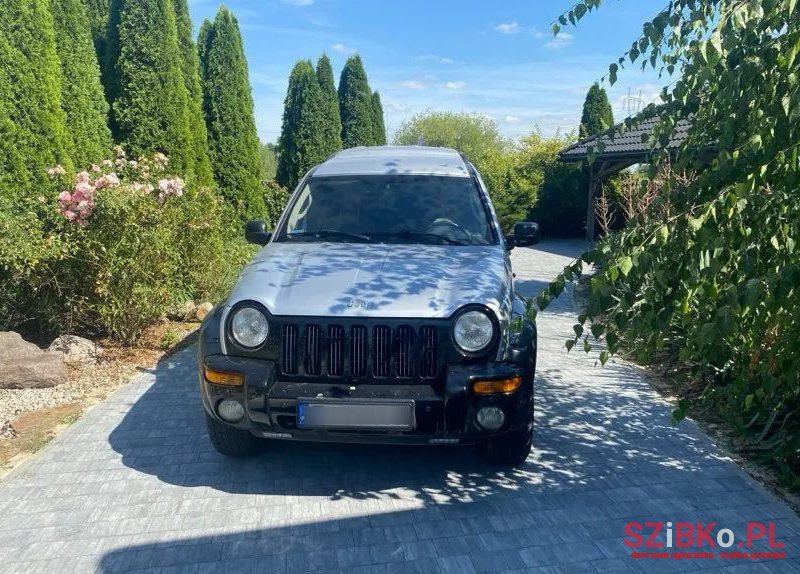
[{"x": 337, "y": 414}]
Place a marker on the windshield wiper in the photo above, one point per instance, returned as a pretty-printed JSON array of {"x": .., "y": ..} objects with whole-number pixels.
[
  {"x": 409, "y": 234},
  {"x": 331, "y": 234}
]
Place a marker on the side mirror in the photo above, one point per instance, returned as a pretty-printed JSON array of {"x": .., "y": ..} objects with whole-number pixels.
[
  {"x": 256, "y": 232},
  {"x": 511, "y": 242},
  {"x": 526, "y": 233}
]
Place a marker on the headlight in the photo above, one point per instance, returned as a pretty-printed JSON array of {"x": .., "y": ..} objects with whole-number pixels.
[
  {"x": 249, "y": 327},
  {"x": 473, "y": 331}
]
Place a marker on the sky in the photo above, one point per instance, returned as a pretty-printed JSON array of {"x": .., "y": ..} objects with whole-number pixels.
[{"x": 497, "y": 58}]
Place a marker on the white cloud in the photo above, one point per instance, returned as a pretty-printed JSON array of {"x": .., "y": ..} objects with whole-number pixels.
[
  {"x": 395, "y": 107},
  {"x": 433, "y": 58},
  {"x": 414, "y": 85},
  {"x": 510, "y": 28},
  {"x": 298, "y": 2},
  {"x": 455, "y": 85},
  {"x": 339, "y": 47},
  {"x": 511, "y": 119},
  {"x": 560, "y": 40}
]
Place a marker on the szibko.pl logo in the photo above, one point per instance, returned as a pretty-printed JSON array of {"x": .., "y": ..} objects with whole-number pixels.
[{"x": 695, "y": 540}]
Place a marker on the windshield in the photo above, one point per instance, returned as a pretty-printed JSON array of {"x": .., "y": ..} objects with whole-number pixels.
[{"x": 390, "y": 209}]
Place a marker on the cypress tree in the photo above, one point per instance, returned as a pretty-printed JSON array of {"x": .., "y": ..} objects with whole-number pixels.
[
  {"x": 332, "y": 122},
  {"x": 597, "y": 114},
  {"x": 228, "y": 105},
  {"x": 149, "y": 101},
  {"x": 33, "y": 133},
  {"x": 301, "y": 142},
  {"x": 82, "y": 95},
  {"x": 191, "y": 79},
  {"x": 355, "y": 105},
  {"x": 203, "y": 42},
  {"x": 97, "y": 11},
  {"x": 379, "y": 126}
]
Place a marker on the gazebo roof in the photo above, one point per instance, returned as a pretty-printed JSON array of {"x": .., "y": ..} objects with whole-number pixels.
[{"x": 631, "y": 145}]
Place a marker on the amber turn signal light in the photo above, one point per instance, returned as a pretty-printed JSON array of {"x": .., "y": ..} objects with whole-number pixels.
[
  {"x": 224, "y": 378},
  {"x": 499, "y": 387}
]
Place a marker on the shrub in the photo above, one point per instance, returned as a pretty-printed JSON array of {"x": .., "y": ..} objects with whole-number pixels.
[{"x": 113, "y": 252}]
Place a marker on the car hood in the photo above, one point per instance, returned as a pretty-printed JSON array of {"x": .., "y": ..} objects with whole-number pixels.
[{"x": 375, "y": 280}]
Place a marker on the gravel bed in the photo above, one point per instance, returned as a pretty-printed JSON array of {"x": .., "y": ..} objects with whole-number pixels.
[{"x": 14, "y": 402}]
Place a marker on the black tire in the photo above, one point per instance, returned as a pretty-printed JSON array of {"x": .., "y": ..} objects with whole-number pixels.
[
  {"x": 511, "y": 449},
  {"x": 231, "y": 441}
]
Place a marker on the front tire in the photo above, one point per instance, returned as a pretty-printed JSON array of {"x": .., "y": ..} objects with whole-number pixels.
[
  {"x": 511, "y": 449},
  {"x": 230, "y": 441}
]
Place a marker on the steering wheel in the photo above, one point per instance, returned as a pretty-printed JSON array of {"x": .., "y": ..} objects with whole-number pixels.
[{"x": 448, "y": 223}]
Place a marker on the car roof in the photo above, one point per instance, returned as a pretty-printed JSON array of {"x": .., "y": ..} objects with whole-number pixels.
[{"x": 395, "y": 160}]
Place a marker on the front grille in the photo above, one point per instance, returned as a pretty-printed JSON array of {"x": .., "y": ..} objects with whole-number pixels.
[{"x": 377, "y": 352}]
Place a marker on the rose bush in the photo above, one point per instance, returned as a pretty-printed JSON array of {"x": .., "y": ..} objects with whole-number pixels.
[{"x": 111, "y": 249}]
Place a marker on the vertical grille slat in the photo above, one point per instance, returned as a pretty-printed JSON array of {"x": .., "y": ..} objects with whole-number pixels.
[
  {"x": 405, "y": 352},
  {"x": 358, "y": 351},
  {"x": 335, "y": 350},
  {"x": 428, "y": 361},
  {"x": 381, "y": 351},
  {"x": 289, "y": 350},
  {"x": 313, "y": 350}
]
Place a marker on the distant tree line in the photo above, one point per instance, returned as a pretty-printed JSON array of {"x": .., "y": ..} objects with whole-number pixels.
[
  {"x": 80, "y": 75},
  {"x": 319, "y": 120}
]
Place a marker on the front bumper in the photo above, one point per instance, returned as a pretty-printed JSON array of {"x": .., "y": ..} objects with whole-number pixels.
[{"x": 444, "y": 411}]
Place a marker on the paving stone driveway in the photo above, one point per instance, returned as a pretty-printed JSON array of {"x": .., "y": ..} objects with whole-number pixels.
[{"x": 135, "y": 485}]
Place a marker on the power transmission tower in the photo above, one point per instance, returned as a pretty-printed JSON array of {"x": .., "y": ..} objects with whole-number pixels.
[{"x": 632, "y": 105}]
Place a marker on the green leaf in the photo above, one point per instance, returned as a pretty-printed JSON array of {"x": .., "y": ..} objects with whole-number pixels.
[
  {"x": 569, "y": 344},
  {"x": 597, "y": 329},
  {"x": 578, "y": 328},
  {"x": 625, "y": 265},
  {"x": 556, "y": 29},
  {"x": 612, "y": 73},
  {"x": 603, "y": 357}
]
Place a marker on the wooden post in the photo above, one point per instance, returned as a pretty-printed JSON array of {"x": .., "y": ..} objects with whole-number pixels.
[{"x": 591, "y": 199}]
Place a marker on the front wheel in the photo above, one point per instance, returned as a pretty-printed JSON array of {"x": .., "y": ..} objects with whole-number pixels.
[
  {"x": 511, "y": 449},
  {"x": 231, "y": 441}
]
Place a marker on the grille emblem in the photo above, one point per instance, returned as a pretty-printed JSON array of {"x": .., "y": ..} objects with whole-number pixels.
[{"x": 358, "y": 304}]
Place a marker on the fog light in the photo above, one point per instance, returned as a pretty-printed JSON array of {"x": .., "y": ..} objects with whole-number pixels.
[
  {"x": 230, "y": 411},
  {"x": 491, "y": 418}
]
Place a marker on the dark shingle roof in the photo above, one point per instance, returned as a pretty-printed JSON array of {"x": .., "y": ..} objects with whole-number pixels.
[{"x": 625, "y": 144}]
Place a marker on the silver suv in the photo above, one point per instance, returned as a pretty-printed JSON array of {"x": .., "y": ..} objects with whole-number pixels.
[{"x": 380, "y": 310}]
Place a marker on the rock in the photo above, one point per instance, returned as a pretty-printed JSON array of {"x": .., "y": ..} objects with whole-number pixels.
[
  {"x": 23, "y": 365},
  {"x": 75, "y": 350},
  {"x": 184, "y": 312},
  {"x": 7, "y": 430},
  {"x": 202, "y": 310},
  {"x": 187, "y": 311}
]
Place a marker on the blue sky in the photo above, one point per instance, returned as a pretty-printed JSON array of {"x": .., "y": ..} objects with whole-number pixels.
[{"x": 497, "y": 58}]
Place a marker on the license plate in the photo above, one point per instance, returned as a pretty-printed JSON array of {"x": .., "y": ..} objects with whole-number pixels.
[{"x": 335, "y": 414}]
